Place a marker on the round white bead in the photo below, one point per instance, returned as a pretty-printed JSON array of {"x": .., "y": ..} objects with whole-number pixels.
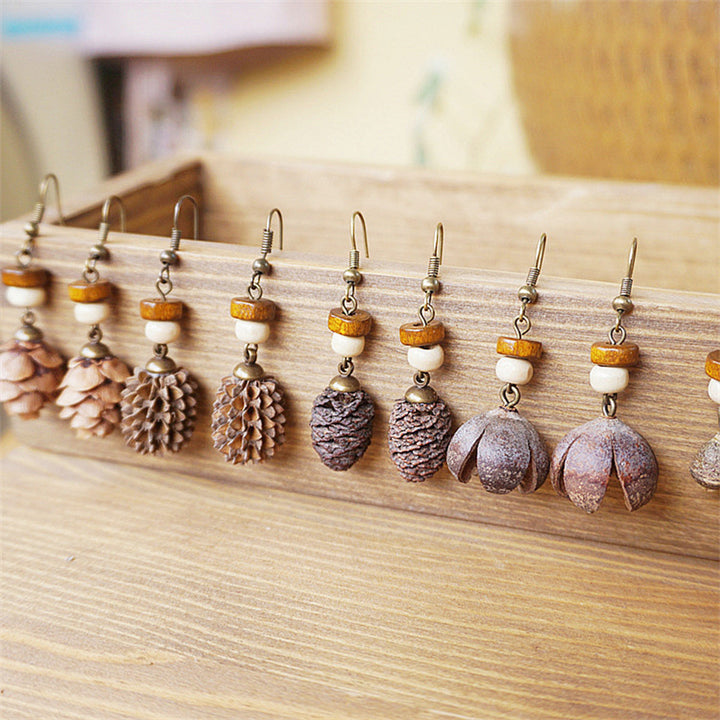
[
  {"x": 25, "y": 297},
  {"x": 347, "y": 346},
  {"x": 714, "y": 390},
  {"x": 162, "y": 331},
  {"x": 609, "y": 379},
  {"x": 514, "y": 370},
  {"x": 91, "y": 313},
  {"x": 426, "y": 359},
  {"x": 252, "y": 331}
]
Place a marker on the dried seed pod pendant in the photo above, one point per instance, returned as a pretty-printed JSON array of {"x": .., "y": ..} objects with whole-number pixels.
[
  {"x": 90, "y": 397},
  {"x": 502, "y": 446},
  {"x": 158, "y": 402},
  {"x": 30, "y": 370},
  {"x": 342, "y": 415},
  {"x": 706, "y": 466},
  {"x": 589, "y": 455},
  {"x": 248, "y": 419},
  {"x": 420, "y": 423}
]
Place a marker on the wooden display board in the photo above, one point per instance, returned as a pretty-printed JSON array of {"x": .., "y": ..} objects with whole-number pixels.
[{"x": 490, "y": 223}]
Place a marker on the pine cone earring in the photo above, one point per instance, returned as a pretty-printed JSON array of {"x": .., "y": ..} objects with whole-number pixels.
[
  {"x": 91, "y": 387},
  {"x": 586, "y": 458},
  {"x": 503, "y": 447},
  {"x": 30, "y": 370},
  {"x": 420, "y": 423},
  {"x": 342, "y": 415},
  {"x": 158, "y": 403},
  {"x": 706, "y": 466},
  {"x": 248, "y": 419}
]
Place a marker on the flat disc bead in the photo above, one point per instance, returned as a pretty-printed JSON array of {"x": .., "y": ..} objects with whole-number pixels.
[
  {"x": 418, "y": 335},
  {"x": 426, "y": 359},
  {"x": 250, "y": 331},
  {"x": 516, "y": 371},
  {"x": 712, "y": 365},
  {"x": 91, "y": 313},
  {"x": 347, "y": 345},
  {"x": 245, "y": 308},
  {"x": 604, "y": 379},
  {"x": 26, "y": 277},
  {"x": 356, "y": 325},
  {"x": 609, "y": 355},
  {"x": 25, "y": 297},
  {"x": 162, "y": 331},
  {"x": 82, "y": 291},
  {"x": 519, "y": 348},
  {"x": 161, "y": 310}
]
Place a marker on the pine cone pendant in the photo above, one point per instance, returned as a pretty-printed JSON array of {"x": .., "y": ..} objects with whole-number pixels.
[
  {"x": 418, "y": 437},
  {"x": 341, "y": 426},
  {"x": 706, "y": 466},
  {"x": 30, "y": 374},
  {"x": 158, "y": 410},
  {"x": 248, "y": 419},
  {"x": 91, "y": 392}
]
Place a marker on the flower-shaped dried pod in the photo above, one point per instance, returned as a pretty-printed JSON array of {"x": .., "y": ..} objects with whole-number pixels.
[
  {"x": 505, "y": 450},
  {"x": 589, "y": 455}
]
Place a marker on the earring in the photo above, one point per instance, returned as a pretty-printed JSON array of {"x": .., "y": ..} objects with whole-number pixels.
[
  {"x": 248, "y": 420},
  {"x": 91, "y": 388},
  {"x": 706, "y": 466},
  {"x": 420, "y": 424},
  {"x": 504, "y": 447},
  {"x": 342, "y": 414},
  {"x": 30, "y": 370},
  {"x": 158, "y": 402},
  {"x": 587, "y": 456}
]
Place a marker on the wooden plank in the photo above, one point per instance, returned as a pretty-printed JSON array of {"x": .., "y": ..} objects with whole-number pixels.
[
  {"x": 138, "y": 594},
  {"x": 666, "y": 402}
]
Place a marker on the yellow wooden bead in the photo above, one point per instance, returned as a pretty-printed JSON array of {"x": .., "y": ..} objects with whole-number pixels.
[
  {"x": 356, "y": 325},
  {"x": 161, "y": 310},
  {"x": 519, "y": 348},
  {"x": 712, "y": 365},
  {"x": 29, "y": 277},
  {"x": 609, "y": 355},
  {"x": 418, "y": 335},
  {"x": 82, "y": 291},
  {"x": 245, "y": 308}
]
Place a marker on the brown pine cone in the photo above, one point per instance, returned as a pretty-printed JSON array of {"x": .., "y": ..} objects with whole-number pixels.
[
  {"x": 248, "y": 420},
  {"x": 30, "y": 374},
  {"x": 418, "y": 437},
  {"x": 341, "y": 425},
  {"x": 158, "y": 411},
  {"x": 91, "y": 394}
]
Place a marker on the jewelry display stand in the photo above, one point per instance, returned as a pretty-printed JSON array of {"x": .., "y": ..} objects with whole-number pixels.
[{"x": 490, "y": 223}]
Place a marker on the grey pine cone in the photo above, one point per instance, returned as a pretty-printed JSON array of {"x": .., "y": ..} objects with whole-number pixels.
[
  {"x": 91, "y": 392},
  {"x": 706, "y": 467},
  {"x": 30, "y": 374},
  {"x": 418, "y": 437},
  {"x": 341, "y": 425},
  {"x": 158, "y": 411},
  {"x": 248, "y": 420}
]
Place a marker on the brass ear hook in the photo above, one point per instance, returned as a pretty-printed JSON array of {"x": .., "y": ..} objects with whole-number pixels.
[
  {"x": 627, "y": 281},
  {"x": 430, "y": 284},
  {"x": 99, "y": 251},
  {"x": 622, "y": 303},
  {"x": 354, "y": 259},
  {"x": 266, "y": 247},
  {"x": 170, "y": 257},
  {"x": 31, "y": 228}
]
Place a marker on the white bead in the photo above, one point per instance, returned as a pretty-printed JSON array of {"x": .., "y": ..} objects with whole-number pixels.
[
  {"x": 714, "y": 390},
  {"x": 346, "y": 346},
  {"x": 25, "y": 297},
  {"x": 162, "y": 331},
  {"x": 252, "y": 331},
  {"x": 426, "y": 359},
  {"x": 91, "y": 313},
  {"x": 514, "y": 370},
  {"x": 609, "y": 379}
]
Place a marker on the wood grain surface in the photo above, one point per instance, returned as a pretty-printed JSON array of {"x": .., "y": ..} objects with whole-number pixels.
[
  {"x": 666, "y": 402},
  {"x": 130, "y": 593}
]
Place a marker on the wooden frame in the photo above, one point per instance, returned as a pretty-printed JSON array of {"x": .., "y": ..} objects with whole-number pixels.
[{"x": 489, "y": 223}]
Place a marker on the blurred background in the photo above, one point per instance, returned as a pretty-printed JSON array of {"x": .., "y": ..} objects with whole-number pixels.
[{"x": 593, "y": 88}]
